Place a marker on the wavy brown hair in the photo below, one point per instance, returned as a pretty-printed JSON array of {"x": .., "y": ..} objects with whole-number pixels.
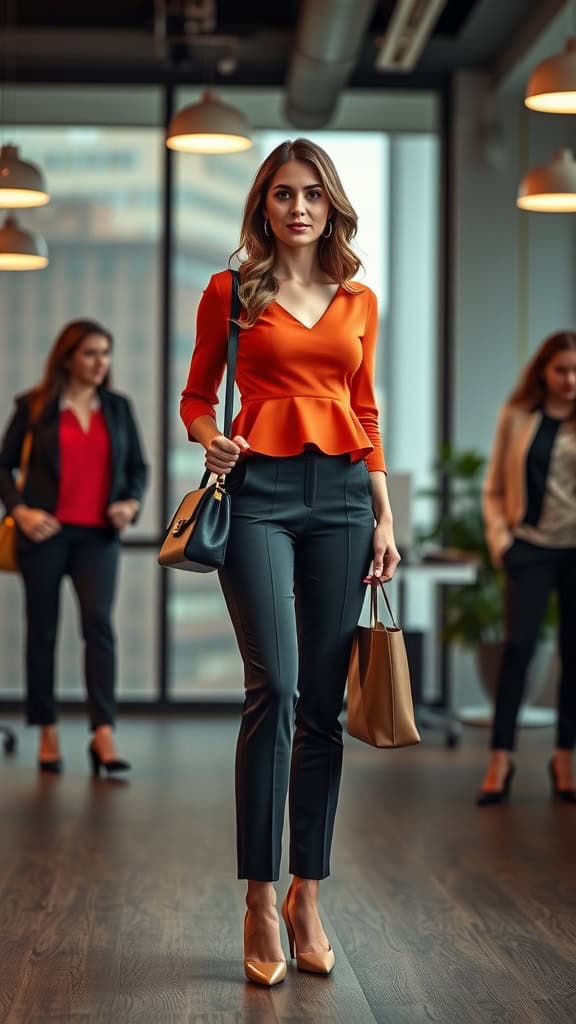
[
  {"x": 258, "y": 285},
  {"x": 530, "y": 392},
  {"x": 55, "y": 371}
]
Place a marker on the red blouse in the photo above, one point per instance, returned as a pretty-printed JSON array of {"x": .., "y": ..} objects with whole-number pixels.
[
  {"x": 298, "y": 385},
  {"x": 85, "y": 470}
]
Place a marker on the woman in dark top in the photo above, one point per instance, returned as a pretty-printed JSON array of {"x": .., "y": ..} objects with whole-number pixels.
[
  {"x": 84, "y": 484},
  {"x": 530, "y": 516}
]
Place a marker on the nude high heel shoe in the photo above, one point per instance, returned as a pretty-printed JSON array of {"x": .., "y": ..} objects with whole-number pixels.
[
  {"x": 263, "y": 972},
  {"x": 321, "y": 962}
]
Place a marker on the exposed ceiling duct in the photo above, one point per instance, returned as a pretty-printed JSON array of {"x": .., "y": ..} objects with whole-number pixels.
[
  {"x": 409, "y": 29},
  {"x": 328, "y": 40}
]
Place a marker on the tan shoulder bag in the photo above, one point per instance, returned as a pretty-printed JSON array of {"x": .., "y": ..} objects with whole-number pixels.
[
  {"x": 8, "y": 553},
  {"x": 380, "y": 709}
]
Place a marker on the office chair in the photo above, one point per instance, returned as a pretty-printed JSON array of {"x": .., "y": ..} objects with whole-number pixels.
[{"x": 9, "y": 739}]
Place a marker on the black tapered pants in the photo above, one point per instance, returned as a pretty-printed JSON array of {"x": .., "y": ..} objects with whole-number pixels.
[
  {"x": 532, "y": 573},
  {"x": 299, "y": 548},
  {"x": 88, "y": 555}
]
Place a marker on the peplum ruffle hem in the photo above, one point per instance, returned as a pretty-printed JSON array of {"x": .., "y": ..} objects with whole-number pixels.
[{"x": 285, "y": 426}]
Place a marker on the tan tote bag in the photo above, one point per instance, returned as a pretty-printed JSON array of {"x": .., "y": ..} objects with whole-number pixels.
[
  {"x": 8, "y": 554},
  {"x": 380, "y": 710}
]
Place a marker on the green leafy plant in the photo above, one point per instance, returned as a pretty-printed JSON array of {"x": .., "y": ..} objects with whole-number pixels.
[{"x": 474, "y": 613}]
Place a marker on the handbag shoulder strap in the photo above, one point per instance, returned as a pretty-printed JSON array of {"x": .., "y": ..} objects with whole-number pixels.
[{"x": 232, "y": 352}]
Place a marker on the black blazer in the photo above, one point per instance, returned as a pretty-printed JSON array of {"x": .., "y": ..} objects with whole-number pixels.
[{"x": 129, "y": 471}]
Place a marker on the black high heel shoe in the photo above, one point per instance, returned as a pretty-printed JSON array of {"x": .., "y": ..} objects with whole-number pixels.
[
  {"x": 487, "y": 798},
  {"x": 54, "y": 767},
  {"x": 116, "y": 765},
  {"x": 567, "y": 795}
]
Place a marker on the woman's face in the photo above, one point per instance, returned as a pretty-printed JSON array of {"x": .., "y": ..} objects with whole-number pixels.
[
  {"x": 296, "y": 204},
  {"x": 560, "y": 376},
  {"x": 90, "y": 362}
]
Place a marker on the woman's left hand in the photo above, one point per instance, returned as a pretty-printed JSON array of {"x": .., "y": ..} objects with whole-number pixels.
[
  {"x": 121, "y": 513},
  {"x": 386, "y": 556}
]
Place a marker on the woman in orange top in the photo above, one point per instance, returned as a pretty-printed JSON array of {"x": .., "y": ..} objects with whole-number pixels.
[{"x": 310, "y": 511}]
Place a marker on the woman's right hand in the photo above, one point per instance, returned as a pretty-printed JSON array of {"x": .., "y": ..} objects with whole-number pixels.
[
  {"x": 36, "y": 524},
  {"x": 222, "y": 454},
  {"x": 499, "y": 559}
]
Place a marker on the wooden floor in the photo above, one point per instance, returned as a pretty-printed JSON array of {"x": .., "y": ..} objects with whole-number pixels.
[{"x": 119, "y": 903}]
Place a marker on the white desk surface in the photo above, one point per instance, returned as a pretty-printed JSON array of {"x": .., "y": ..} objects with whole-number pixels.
[{"x": 438, "y": 572}]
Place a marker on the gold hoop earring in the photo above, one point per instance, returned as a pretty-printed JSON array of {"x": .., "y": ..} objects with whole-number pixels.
[
  {"x": 266, "y": 227},
  {"x": 324, "y": 235}
]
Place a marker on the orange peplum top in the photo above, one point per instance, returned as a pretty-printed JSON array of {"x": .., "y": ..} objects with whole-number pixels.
[{"x": 299, "y": 386}]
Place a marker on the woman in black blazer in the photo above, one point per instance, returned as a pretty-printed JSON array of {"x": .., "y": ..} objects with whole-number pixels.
[{"x": 84, "y": 484}]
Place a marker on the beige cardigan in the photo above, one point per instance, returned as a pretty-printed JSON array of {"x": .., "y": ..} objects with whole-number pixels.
[{"x": 504, "y": 491}]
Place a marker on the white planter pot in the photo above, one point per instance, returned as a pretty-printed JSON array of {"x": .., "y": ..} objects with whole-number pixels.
[
  {"x": 543, "y": 667},
  {"x": 488, "y": 660}
]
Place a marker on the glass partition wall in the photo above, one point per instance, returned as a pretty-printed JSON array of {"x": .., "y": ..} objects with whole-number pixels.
[{"x": 106, "y": 226}]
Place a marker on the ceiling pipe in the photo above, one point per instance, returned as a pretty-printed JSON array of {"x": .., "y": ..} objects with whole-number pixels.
[{"x": 328, "y": 39}]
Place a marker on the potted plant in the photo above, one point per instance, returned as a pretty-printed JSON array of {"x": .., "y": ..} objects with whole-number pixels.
[{"x": 473, "y": 614}]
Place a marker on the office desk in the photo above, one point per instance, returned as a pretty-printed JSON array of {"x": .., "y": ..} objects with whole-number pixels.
[{"x": 440, "y": 712}]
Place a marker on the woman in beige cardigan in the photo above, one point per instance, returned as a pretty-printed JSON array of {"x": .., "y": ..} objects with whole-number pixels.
[{"x": 530, "y": 517}]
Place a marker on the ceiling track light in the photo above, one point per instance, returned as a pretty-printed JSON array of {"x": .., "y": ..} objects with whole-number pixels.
[
  {"x": 21, "y": 183},
  {"x": 552, "y": 85},
  {"x": 551, "y": 188},
  {"x": 21, "y": 249},
  {"x": 209, "y": 126},
  {"x": 409, "y": 29}
]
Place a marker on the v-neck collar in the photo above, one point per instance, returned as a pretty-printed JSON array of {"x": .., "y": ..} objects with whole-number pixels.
[
  {"x": 65, "y": 405},
  {"x": 308, "y": 327}
]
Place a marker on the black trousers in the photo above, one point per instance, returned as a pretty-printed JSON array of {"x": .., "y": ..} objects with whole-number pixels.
[
  {"x": 90, "y": 557},
  {"x": 299, "y": 548},
  {"x": 532, "y": 573}
]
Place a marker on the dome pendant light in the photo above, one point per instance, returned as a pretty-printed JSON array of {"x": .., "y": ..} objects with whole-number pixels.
[
  {"x": 21, "y": 184},
  {"x": 209, "y": 126},
  {"x": 552, "y": 188},
  {"x": 552, "y": 85},
  {"x": 20, "y": 249}
]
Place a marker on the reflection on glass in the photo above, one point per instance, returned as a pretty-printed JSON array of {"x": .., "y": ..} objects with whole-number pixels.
[{"x": 204, "y": 658}]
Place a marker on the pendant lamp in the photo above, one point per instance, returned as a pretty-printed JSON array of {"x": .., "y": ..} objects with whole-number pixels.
[
  {"x": 552, "y": 85},
  {"x": 21, "y": 183},
  {"x": 551, "y": 188},
  {"x": 209, "y": 126},
  {"x": 20, "y": 249}
]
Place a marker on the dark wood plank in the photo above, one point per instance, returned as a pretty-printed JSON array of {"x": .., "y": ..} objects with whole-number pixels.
[
  {"x": 36, "y": 826},
  {"x": 444, "y": 955},
  {"x": 119, "y": 902}
]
